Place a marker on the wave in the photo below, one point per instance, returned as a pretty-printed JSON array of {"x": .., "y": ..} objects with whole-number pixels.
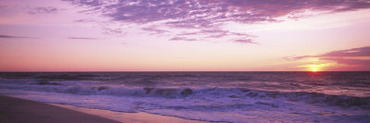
[
  {"x": 85, "y": 88},
  {"x": 224, "y": 93},
  {"x": 126, "y": 91}
]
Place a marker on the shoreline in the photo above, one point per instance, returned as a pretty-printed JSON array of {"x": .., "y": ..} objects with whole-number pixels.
[
  {"x": 14, "y": 109},
  {"x": 128, "y": 117}
]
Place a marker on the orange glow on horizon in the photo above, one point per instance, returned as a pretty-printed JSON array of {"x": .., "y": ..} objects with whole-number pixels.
[{"x": 314, "y": 69}]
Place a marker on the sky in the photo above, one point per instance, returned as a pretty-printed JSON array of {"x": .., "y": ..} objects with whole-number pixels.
[{"x": 184, "y": 35}]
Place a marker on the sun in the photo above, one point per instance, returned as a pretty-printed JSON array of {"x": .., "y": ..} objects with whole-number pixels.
[
  {"x": 317, "y": 67},
  {"x": 314, "y": 69}
]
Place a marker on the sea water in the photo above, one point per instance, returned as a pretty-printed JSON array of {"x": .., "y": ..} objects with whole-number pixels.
[{"x": 207, "y": 96}]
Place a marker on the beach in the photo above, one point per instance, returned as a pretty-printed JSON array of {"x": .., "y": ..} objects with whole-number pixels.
[
  {"x": 15, "y": 110},
  {"x": 199, "y": 96}
]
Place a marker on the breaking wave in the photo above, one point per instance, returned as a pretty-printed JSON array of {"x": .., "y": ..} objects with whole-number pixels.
[{"x": 187, "y": 92}]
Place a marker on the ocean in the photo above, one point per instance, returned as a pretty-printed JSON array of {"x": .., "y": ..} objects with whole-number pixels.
[{"x": 207, "y": 96}]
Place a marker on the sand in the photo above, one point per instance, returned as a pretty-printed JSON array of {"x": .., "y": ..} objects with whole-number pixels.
[
  {"x": 141, "y": 117},
  {"x": 15, "y": 110}
]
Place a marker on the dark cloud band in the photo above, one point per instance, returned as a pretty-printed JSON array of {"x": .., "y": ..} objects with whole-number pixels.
[
  {"x": 83, "y": 38},
  {"x": 16, "y": 37}
]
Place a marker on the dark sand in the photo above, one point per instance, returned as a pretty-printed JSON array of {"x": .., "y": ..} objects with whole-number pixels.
[{"x": 14, "y": 110}]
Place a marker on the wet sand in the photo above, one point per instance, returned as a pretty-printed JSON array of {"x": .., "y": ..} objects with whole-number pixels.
[
  {"x": 140, "y": 117},
  {"x": 15, "y": 110}
]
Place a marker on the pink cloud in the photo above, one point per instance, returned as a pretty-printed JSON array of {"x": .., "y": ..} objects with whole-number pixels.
[
  {"x": 206, "y": 15},
  {"x": 182, "y": 39},
  {"x": 43, "y": 10},
  {"x": 359, "y": 57}
]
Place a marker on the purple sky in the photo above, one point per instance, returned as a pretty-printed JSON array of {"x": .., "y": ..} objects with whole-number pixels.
[{"x": 184, "y": 35}]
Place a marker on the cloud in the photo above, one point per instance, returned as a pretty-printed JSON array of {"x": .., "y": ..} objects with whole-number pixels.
[
  {"x": 43, "y": 10},
  {"x": 15, "y": 37},
  {"x": 359, "y": 57},
  {"x": 192, "y": 13},
  {"x": 182, "y": 39},
  {"x": 246, "y": 41},
  {"x": 355, "y": 52},
  {"x": 82, "y": 38},
  {"x": 350, "y": 61},
  {"x": 155, "y": 30},
  {"x": 220, "y": 33},
  {"x": 211, "y": 14},
  {"x": 84, "y": 20}
]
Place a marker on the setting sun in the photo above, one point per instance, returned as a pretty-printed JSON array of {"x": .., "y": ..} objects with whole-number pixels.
[
  {"x": 317, "y": 67},
  {"x": 314, "y": 69}
]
